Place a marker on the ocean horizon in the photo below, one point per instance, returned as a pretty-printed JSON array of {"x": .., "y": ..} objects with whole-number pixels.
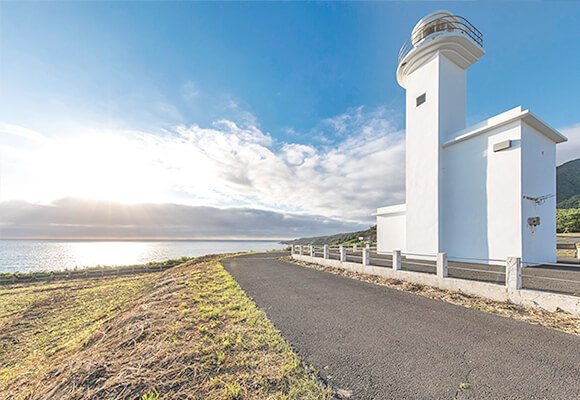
[{"x": 29, "y": 255}]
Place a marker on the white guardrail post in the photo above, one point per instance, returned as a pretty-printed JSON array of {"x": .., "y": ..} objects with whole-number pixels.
[
  {"x": 578, "y": 251},
  {"x": 326, "y": 254},
  {"x": 397, "y": 260},
  {"x": 442, "y": 267},
  {"x": 366, "y": 256},
  {"x": 311, "y": 251},
  {"x": 300, "y": 250},
  {"x": 342, "y": 252},
  {"x": 514, "y": 273}
]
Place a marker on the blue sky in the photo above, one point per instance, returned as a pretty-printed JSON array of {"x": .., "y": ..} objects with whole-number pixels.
[
  {"x": 297, "y": 88},
  {"x": 290, "y": 65}
]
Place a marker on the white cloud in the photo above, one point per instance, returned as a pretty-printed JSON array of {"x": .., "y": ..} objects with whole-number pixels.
[
  {"x": 168, "y": 111},
  {"x": 357, "y": 166},
  {"x": 296, "y": 154},
  {"x": 19, "y": 131},
  {"x": 569, "y": 150},
  {"x": 229, "y": 164},
  {"x": 235, "y": 111},
  {"x": 190, "y": 91}
]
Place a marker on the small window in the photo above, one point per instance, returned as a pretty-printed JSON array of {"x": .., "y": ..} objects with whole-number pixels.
[{"x": 421, "y": 99}]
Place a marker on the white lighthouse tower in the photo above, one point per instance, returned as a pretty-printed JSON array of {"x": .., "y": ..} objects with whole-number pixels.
[
  {"x": 486, "y": 191},
  {"x": 433, "y": 70}
]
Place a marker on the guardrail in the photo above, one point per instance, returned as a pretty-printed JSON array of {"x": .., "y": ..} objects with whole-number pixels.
[
  {"x": 553, "y": 277},
  {"x": 512, "y": 279}
]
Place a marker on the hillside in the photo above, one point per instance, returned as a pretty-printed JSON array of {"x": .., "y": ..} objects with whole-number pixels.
[
  {"x": 339, "y": 238},
  {"x": 568, "y": 180}
]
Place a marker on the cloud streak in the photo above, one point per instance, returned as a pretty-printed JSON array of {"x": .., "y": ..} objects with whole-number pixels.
[{"x": 76, "y": 218}]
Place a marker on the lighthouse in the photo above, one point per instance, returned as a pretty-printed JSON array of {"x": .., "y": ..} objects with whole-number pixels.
[{"x": 486, "y": 191}]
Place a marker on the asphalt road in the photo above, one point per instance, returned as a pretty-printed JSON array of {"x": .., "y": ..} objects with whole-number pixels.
[{"x": 380, "y": 343}]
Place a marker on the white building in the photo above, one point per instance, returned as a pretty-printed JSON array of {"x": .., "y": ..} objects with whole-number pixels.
[{"x": 486, "y": 191}]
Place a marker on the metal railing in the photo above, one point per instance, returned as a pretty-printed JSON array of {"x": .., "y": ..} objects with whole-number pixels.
[
  {"x": 539, "y": 264},
  {"x": 447, "y": 23},
  {"x": 551, "y": 277}
]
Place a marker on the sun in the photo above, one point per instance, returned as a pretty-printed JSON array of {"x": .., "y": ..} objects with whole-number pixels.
[{"x": 105, "y": 167}]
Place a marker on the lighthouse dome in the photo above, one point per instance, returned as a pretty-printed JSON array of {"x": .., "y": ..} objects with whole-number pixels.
[
  {"x": 438, "y": 21},
  {"x": 444, "y": 32}
]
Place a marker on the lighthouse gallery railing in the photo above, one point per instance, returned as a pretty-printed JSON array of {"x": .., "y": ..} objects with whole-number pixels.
[{"x": 446, "y": 23}]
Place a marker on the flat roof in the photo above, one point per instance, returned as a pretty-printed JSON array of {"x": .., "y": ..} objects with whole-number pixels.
[
  {"x": 396, "y": 209},
  {"x": 517, "y": 113}
]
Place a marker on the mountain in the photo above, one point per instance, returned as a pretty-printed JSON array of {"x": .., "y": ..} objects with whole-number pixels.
[
  {"x": 568, "y": 181},
  {"x": 339, "y": 238}
]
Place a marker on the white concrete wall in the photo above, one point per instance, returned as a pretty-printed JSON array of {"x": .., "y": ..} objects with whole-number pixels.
[
  {"x": 422, "y": 159},
  {"x": 452, "y": 98},
  {"x": 481, "y": 196},
  {"x": 538, "y": 179},
  {"x": 391, "y": 229},
  {"x": 427, "y": 125}
]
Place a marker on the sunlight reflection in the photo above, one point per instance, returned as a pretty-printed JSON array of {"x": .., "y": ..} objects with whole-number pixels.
[
  {"x": 107, "y": 253},
  {"x": 41, "y": 255}
]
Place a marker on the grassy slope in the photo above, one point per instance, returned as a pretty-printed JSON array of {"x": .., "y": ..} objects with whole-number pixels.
[
  {"x": 188, "y": 333},
  {"x": 38, "y": 321}
]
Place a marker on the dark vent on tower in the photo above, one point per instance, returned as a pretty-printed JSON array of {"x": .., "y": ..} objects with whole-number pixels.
[{"x": 421, "y": 99}]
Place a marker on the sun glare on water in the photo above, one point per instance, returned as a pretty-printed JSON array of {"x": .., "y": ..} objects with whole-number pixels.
[{"x": 108, "y": 253}]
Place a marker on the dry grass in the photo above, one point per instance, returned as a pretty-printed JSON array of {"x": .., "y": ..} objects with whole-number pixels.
[
  {"x": 40, "y": 320},
  {"x": 560, "y": 320},
  {"x": 570, "y": 253},
  {"x": 191, "y": 333}
]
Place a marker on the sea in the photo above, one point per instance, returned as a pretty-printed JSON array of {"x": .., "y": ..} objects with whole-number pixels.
[{"x": 47, "y": 255}]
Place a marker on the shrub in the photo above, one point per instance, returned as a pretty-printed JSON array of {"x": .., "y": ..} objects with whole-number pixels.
[{"x": 568, "y": 220}]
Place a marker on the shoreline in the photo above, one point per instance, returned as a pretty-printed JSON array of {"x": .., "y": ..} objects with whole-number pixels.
[{"x": 29, "y": 256}]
